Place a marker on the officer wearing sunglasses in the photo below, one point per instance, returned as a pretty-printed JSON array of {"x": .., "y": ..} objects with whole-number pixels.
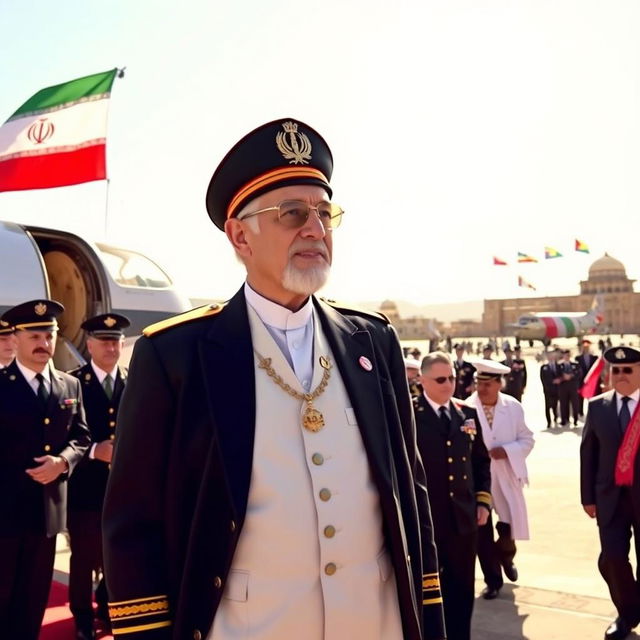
[{"x": 610, "y": 483}]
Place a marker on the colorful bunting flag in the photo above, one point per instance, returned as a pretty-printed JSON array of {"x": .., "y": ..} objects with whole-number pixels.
[
  {"x": 582, "y": 247},
  {"x": 550, "y": 252},
  {"x": 523, "y": 283},
  {"x": 499, "y": 262},
  {"x": 523, "y": 257}
]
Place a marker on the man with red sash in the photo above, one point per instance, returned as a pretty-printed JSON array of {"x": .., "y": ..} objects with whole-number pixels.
[{"x": 610, "y": 483}]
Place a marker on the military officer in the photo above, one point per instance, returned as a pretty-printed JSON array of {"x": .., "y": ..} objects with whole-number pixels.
[
  {"x": 412, "y": 369},
  {"x": 610, "y": 483},
  {"x": 44, "y": 435},
  {"x": 459, "y": 479},
  {"x": 102, "y": 381},
  {"x": 464, "y": 373},
  {"x": 7, "y": 344},
  {"x": 516, "y": 379},
  {"x": 568, "y": 389},
  {"x": 551, "y": 377},
  {"x": 265, "y": 480}
]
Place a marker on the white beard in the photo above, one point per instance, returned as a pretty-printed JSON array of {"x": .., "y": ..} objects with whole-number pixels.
[{"x": 305, "y": 281}]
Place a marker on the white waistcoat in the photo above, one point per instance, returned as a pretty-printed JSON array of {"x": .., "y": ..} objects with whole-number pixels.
[{"x": 312, "y": 508}]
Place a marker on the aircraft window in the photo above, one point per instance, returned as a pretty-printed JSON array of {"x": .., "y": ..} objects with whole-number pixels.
[{"x": 133, "y": 269}]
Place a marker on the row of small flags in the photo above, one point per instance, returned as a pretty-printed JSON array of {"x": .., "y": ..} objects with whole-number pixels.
[{"x": 549, "y": 253}]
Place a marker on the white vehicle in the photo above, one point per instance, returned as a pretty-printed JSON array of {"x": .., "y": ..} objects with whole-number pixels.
[{"x": 87, "y": 278}]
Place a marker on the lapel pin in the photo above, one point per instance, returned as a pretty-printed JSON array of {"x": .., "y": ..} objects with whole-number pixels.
[
  {"x": 365, "y": 363},
  {"x": 324, "y": 362}
]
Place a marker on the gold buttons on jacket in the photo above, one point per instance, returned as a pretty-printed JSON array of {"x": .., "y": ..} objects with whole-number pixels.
[
  {"x": 449, "y": 460},
  {"x": 325, "y": 495},
  {"x": 46, "y": 421},
  {"x": 317, "y": 459},
  {"x": 47, "y": 447},
  {"x": 448, "y": 443},
  {"x": 111, "y": 409},
  {"x": 330, "y": 569},
  {"x": 464, "y": 458},
  {"x": 329, "y": 531},
  {"x": 112, "y": 437},
  {"x": 217, "y": 582},
  {"x": 112, "y": 424},
  {"x": 232, "y": 526},
  {"x": 464, "y": 477},
  {"x": 197, "y": 635},
  {"x": 450, "y": 478},
  {"x": 451, "y": 494}
]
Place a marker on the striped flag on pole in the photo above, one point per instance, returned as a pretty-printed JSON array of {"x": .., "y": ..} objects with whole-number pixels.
[{"x": 58, "y": 136}]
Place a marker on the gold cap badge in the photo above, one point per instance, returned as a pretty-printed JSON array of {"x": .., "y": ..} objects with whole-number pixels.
[
  {"x": 3, "y": 323},
  {"x": 294, "y": 147},
  {"x": 40, "y": 308},
  {"x": 109, "y": 321},
  {"x": 619, "y": 354}
]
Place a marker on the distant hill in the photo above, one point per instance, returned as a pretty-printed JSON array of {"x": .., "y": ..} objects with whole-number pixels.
[{"x": 469, "y": 310}]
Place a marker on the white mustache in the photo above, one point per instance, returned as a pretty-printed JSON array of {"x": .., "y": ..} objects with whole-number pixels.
[{"x": 309, "y": 246}]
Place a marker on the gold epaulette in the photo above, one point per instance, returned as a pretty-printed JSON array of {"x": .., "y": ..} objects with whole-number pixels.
[
  {"x": 348, "y": 308},
  {"x": 187, "y": 316},
  {"x": 431, "y": 589},
  {"x": 483, "y": 497},
  {"x": 141, "y": 614}
]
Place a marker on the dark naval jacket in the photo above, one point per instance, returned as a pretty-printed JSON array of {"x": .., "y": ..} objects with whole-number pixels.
[
  {"x": 457, "y": 465},
  {"x": 179, "y": 483},
  {"x": 28, "y": 430},
  {"x": 464, "y": 378},
  {"x": 88, "y": 484},
  {"x": 601, "y": 439}
]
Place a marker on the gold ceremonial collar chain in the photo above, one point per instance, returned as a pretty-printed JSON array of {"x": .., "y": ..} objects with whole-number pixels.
[{"x": 312, "y": 420}]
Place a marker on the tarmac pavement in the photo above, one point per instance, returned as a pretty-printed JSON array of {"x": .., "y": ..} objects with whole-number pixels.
[{"x": 560, "y": 594}]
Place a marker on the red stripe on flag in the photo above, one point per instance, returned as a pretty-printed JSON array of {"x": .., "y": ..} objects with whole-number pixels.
[
  {"x": 53, "y": 170},
  {"x": 590, "y": 384},
  {"x": 551, "y": 327}
]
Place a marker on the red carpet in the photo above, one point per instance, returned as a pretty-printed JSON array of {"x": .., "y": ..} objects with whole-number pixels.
[{"x": 58, "y": 621}]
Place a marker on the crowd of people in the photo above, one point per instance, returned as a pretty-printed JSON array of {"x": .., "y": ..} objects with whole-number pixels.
[{"x": 272, "y": 467}]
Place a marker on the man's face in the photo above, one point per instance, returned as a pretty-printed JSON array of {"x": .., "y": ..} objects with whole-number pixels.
[
  {"x": 35, "y": 348},
  {"x": 488, "y": 390},
  {"x": 459, "y": 354},
  {"x": 438, "y": 382},
  {"x": 486, "y": 354},
  {"x": 283, "y": 264},
  {"x": 105, "y": 353},
  {"x": 625, "y": 378},
  {"x": 586, "y": 349},
  {"x": 412, "y": 374},
  {"x": 7, "y": 348}
]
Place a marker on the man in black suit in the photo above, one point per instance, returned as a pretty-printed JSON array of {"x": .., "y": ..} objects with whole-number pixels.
[
  {"x": 459, "y": 479},
  {"x": 464, "y": 373},
  {"x": 516, "y": 380},
  {"x": 102, "y": 382},
  {"x": 610, "y": 483},
  {"x": 568, "y": 389},
  {"x": 266, "y": 454},
  {"x": 44, "y": 435},
  {"x": 551, "y": 377}
]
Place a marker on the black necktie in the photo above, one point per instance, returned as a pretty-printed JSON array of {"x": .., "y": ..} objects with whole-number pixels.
[
  {"x": 43, "y": 394},
  {"x": 107, "y": 385},
  {"x": 444, "y": 418},
  {"x": 624, "y": 416}
]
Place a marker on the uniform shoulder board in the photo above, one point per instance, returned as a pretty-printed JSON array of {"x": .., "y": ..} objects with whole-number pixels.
[
  {"x": 348, "y": 308},
  {"x": 195, "y": 314}
]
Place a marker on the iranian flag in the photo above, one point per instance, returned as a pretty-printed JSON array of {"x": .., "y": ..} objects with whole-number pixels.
[{"x": 58, "y": 136}]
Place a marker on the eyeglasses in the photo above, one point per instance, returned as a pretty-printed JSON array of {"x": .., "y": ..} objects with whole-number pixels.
[
  {"x": 618, "y": 370},
  {"x": 443, "y": 379},
  {"x": 294, "y": 214}
]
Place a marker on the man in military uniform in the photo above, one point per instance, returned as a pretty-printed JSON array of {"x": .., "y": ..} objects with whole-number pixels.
[
  {"x": 412, "y": 369},
  {"x": 610, "y": 483},
  {"x": 464, "y": 374},
  {"x": 459, "y": 479},
  {"x": 44, "y": 435},
  {"x": 568, "y": 389},
  {"x": 516, "y": 379},
  {"x": 265, "y": 479},
  {"x": 102, "y": 382},
  {"x": 551, "y": 377},
  {"x": 7, "y": 345}
]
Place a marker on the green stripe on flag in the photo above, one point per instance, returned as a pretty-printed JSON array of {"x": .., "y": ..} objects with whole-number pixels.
[{"x": 63, "y": 95}]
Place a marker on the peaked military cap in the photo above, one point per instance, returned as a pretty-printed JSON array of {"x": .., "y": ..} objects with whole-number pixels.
[
  {"x": 622, "y": 355},
  {"x": 412, "y": 363},
  {"x": 35, "y": 315},
  {"x": 106, "y": 326},
  {"x": 5, "y": 328},
  {"x": 277, "y": 154},
  {"x": 490, "y": 369}
]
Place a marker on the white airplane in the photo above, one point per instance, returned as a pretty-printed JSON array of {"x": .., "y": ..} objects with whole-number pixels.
[
  {"x": 87, "y": 278},
  {"x": 547, "y": 326}
]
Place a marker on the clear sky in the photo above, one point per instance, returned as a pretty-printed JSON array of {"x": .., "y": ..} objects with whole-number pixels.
[{"x": 460, "y": 130}]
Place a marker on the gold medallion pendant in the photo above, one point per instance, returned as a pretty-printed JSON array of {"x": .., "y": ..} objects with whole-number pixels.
[{"x": 312, "y": 420}]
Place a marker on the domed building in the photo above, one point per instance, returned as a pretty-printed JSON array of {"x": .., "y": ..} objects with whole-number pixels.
[{"x": 607, "y": 278}]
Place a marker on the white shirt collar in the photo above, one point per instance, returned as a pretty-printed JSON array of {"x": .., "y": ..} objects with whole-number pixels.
[
  {"x": 275, "y": 315},
  {"x": 634, "y": 396},
  {"x": 30, "y": 374},
  {"x": 101, "y": 375},
  {"x": 436, "y": 407}
]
